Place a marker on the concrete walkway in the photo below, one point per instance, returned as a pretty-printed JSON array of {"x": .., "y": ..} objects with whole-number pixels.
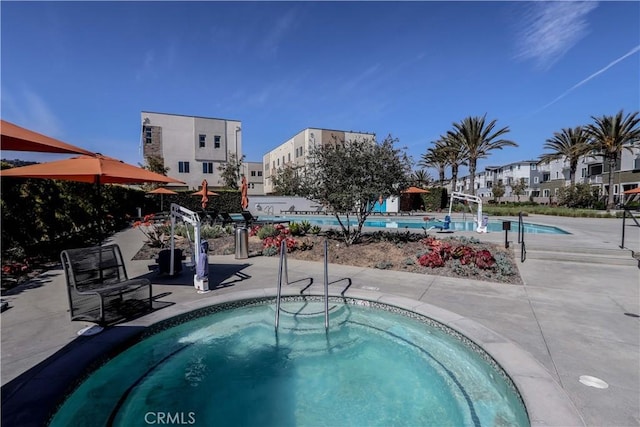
[{"x": 575, "y": 315}]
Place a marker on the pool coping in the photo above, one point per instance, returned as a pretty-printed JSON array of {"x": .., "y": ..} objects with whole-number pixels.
[{"x": 546, "y": 401}]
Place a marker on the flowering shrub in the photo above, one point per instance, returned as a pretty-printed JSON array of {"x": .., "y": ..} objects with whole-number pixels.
[
  {"x": 463, "y": 254},
  {"x": 253, "y": 230},
  {"x": 432, "y": 259},
  {"x": 15, "y": 268},
  {"x": 276, "y": 241},
  {"x": 155, "y": 237},
  {"x": 484, "y": 259}
]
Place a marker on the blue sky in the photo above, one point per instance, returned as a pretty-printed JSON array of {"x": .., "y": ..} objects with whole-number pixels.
[{"x": 83, "y": 71}]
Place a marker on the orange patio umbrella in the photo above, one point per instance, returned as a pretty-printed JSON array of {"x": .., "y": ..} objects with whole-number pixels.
[
  {"x": 161, "y": 191},
  {"x": 96, "y": 169},
  {"x": 16, "y": 138},
  {"x": 244, "y": 199},
  {"x": 204, "y": 193},
  {"x": 633, "y": 191},
  {"x": 415, "y": 190}
]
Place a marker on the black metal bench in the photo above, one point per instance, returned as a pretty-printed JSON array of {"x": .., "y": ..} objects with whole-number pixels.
[{"x": 98, "y": 287}]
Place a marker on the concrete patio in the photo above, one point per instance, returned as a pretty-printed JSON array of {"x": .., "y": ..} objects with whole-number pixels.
[{"x": 576, "y": 314}]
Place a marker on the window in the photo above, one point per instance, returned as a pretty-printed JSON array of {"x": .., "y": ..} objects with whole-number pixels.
[
  {"x": 147, "y": 135},
  {"x": 202, "y": 139},
  {"x": 278, "y": 162},
  {"x": 535, "y": 179},
  {"x": 584, "y": 172},
  {"x": 533, "y": 166},
  {"x": 546, "y": 176},
  {"x": 207, "y": 167},
  {"x": 253, "y": 173},
  {"x": 288, "y": 157},
  {"x": 274, "y": 164},
  {"x": 183, "y": 167},
  {"x": 216, "y": 141},
  {"x": 259, "y": 173}
]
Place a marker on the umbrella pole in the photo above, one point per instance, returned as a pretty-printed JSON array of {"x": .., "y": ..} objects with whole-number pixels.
[{"x": 99, "y": 208}]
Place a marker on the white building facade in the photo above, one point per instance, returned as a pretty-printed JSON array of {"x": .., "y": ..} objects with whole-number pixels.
[
  {"x": 294, "y": 151},
  {"x": 191, "y": 147}
]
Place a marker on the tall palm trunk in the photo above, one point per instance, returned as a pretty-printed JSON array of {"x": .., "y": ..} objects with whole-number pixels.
[{"x": 612, "y": 160}]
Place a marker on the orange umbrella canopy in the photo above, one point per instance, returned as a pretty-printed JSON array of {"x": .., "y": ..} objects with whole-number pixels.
[
  {"x": 161, "y": 190},
  {"x": 16, "y": 138},
  {"x": 92, "y": 169},
  {"x": 633, "y": 191},
  {"x": 244, "y": 200},
  {"x": 415, "y": 190}
]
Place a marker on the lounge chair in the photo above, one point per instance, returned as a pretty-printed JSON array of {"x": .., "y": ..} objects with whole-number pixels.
[
  {"x": 228, "y": 219},
  {"x": 253, "y": 220}
]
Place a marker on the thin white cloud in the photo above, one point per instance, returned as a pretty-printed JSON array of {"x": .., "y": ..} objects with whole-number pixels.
[
  {"x": 30, "y": 110},
  {"x": 354, "y": 82},
  {"x": 551, "y": 29},
  {"x": 591, "y": 77},
  {"x": 271, "y": 41}
]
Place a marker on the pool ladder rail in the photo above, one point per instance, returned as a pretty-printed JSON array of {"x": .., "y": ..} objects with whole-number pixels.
[{"x": 283, "y": 274}]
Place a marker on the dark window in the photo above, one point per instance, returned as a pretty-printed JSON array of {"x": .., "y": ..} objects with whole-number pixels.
[
  {"x": 183, "y": 167},
  {"x": 288, "y": 157},
  {"x": 207, "y": 167},
  {"x": 253, "y": 173},
  {"x": 147, "y": 134},
  {"x": 216, "y": 141},
  {"x": 202, "y": 140},
  {"x": 259, "y": 173}
]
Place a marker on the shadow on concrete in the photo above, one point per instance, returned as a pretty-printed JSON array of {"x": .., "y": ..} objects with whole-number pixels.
[
  {"x": 33, "y": 283},
  {"x": 220, "y": 276},
  {"x": 31, "y": 398}
]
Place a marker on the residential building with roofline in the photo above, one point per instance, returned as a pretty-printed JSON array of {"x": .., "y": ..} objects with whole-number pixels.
[
  {"x": 294, "y": 151},
  {"x": 192, "y": 147}
]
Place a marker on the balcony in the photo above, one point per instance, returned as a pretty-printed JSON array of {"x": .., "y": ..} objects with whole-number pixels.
[{"x": 597, "y": 179}]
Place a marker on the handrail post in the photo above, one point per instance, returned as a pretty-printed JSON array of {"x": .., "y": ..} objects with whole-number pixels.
[
  {"x": 624, "y": 217},
  {"x": 326, "y": 284},
  {"x": 280, "y": 269}
]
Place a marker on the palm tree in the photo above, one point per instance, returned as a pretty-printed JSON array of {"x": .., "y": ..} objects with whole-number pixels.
[
  {"x": 477, "y": 140},
  {"x": 609, "y": 135},
  {"x": 454, "y": 153},
  {"x": 435, "y": 158},
  {"x": 420, "y": 178},
  {"x": 569, "y": 145}
]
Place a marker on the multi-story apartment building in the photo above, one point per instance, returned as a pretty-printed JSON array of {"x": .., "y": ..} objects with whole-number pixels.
[
  {"x": 191, "y": 147},
  {"x": 592, "y": 170},
  {"x": 295, "y": 150},
  {"x": 544, "y": 179},
  {"x": 507, "y": 175},
  {"x": 254, "y": 173}
]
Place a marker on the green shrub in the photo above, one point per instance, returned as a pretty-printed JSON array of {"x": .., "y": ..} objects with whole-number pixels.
[
  {"x": 315, "y": 230},
  {"x": 213, "y": 231},
  {"x": 267, "y": 230},
  {"x": 295, "y": 229},
  {"x": 305, "y": 226}
]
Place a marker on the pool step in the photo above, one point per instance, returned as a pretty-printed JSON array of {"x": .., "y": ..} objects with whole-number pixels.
[{"x": 580, "y": 254}]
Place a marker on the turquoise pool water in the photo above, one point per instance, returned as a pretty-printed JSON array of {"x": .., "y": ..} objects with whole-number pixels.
[
  {"x": 229, "y": 368},
  {"x": 470, "y": 225}
]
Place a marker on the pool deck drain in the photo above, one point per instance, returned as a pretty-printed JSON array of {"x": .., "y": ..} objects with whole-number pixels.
[{"x": 562, "y": 312}]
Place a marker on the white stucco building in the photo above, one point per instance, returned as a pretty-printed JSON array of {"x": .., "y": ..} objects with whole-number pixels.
[
  {"x": 191, "y": 147},
  {"x": 294, "y": 151}
]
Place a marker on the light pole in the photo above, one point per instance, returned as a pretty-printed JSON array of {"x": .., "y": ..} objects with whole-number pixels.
[{"x": 238, "y": 129}]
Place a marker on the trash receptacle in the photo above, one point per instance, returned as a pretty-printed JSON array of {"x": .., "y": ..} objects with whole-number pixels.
[{"x": 242, "y": 243}]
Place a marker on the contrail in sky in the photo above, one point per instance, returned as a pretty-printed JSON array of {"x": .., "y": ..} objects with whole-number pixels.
[{"x": 592, "y": 76}]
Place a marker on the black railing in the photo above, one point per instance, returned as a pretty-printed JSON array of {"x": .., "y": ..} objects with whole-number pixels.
[
  {"x": 523, "y": 247},
  {"x": 627, "y": 212}
]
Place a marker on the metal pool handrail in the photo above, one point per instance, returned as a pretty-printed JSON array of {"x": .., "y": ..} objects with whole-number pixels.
[
  {"x": 523, "y": 247},
  {"x": 283, "y": 272}
]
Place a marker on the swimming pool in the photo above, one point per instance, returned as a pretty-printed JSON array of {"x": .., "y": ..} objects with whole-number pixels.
[
  {"x": 392, "y": 223},
  {"x": 376, "y": 365}
]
